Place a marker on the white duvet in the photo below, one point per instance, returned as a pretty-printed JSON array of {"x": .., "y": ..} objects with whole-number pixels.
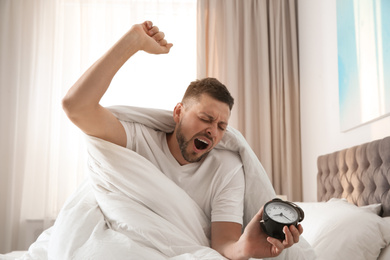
[{"x": 128, "y": 209}]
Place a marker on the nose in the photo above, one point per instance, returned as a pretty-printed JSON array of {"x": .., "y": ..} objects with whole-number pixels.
[{"x": 212, "y": 130}]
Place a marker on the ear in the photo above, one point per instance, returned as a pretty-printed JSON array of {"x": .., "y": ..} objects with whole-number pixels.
[{"x": 177, "y": 112}]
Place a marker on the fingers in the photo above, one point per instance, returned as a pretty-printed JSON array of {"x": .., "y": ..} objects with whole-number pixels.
[
  {"x": 163, "y": 42},
  {"x": 157, "y": 35},
  {"x": 278, "y": 246},
  {"x": 154, "y": 31},
  {"x": 167, "y": 47},
  {"x": 300, "y": 229},
  {"x": 295, "y": 233},
  {"x": 292, "y": 235},
  {"x": 289, "y": 240},
  {"x": 148, "y": 25}
]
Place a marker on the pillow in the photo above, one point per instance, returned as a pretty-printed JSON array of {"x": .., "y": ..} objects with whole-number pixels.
[
  {"x": 339, "y": 230},
  {"x": 385, "y": 253},
  {"x": 374, "y": 208}
]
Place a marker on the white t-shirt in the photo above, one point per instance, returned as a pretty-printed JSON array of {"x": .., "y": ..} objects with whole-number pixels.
[{"x": 217, "y": 184}]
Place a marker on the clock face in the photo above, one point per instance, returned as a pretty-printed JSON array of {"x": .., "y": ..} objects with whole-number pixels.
[{"x": 281, "y": 212}]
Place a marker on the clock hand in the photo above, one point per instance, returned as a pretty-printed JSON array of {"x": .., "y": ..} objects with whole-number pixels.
[{"x": 282, "y": 215}]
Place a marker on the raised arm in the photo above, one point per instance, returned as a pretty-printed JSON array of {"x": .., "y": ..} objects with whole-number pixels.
[{"x": 81, "y": 103}]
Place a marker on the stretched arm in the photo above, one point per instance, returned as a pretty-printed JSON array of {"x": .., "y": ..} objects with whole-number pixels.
[
  {"x": 81, "y": 103},
  {"x": 227, "y": 239}
]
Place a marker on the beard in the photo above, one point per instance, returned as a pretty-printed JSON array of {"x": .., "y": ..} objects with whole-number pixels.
[{"x": 183, "y": 145}]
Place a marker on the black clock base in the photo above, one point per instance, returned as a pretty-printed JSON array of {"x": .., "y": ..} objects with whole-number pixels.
[{"x": 276, "y": 231}]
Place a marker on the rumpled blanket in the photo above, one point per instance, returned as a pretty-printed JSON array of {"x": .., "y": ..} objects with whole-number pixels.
[{"x": 128, "y": 209}]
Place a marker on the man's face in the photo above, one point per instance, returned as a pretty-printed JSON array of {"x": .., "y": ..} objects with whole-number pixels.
[{"x": 200, "y": 127}]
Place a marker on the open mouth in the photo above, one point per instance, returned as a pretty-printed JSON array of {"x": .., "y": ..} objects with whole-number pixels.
[{"x": 201, "y": 144}]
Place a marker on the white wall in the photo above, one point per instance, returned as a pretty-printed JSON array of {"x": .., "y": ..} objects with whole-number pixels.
[{"x": 319, "y": 92}]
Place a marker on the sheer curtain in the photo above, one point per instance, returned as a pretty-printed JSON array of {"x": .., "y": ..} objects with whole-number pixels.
[
  {"x": 45, "y": 46},
  {"x": 252, "y": 47}
]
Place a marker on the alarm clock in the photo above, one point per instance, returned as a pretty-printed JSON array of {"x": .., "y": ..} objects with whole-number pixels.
[{"x": 278, "y": 213}]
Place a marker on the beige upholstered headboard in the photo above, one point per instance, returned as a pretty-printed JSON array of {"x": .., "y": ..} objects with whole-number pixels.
[{"x": 361, "y": 174}]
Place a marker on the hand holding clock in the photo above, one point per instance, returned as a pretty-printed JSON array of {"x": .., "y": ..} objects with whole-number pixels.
[{"x": 261, "y": 245}]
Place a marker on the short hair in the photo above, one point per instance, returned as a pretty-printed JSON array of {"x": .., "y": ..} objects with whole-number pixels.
[{"x": 211, "y": 87}]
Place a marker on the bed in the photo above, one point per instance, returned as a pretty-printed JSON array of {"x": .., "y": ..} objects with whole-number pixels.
[{"x": 351, "y": 219}]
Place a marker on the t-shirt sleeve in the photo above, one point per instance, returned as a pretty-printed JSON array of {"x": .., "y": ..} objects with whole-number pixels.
[
  {"x": 228, "y": 206},
  {"x": 129, "y": 129}
]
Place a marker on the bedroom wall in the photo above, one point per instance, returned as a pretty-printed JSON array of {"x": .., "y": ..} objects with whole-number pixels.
[{"x": 320, "y": 127}]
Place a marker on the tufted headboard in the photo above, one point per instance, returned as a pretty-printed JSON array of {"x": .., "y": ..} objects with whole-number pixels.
[{"x": 361, "y": 174}]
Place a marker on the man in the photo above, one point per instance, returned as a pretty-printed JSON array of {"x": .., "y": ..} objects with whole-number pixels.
[{"x": 201, "y": 120}]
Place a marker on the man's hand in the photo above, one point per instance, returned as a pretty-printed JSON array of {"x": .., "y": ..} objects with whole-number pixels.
[
  {"x": 258, "y": 244},
  {"x": 151, "y": 40},
  {"x": 227, "y": 239}
]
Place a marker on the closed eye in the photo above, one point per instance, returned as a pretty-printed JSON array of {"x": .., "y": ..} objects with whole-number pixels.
[{"x": 209, "y": 120}]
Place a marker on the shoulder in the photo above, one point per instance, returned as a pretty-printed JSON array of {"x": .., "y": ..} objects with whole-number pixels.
[
  {"x": 136, "y": 132},
  {"x": 225, "y": 164},
  {"x": 227, "y": 157}
]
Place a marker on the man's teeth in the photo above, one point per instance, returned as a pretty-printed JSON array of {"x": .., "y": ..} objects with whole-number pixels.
[{"x": 203, "y": 141}]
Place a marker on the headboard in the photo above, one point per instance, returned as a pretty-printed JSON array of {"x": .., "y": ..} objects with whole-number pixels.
[{"x": 361, "y": 174}]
